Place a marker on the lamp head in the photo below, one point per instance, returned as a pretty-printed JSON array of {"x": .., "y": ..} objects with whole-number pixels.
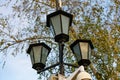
[
  {"x": 38, "y": 53},
  {"x": 82, "y": 50},
  {"x": 60, "y": 22}
]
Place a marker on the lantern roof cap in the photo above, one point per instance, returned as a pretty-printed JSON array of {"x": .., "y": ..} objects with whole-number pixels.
[
  {"x": 37, "y": 44},
  {"x": 83, "y": 40},
  {"x": 57, "y": 13}
]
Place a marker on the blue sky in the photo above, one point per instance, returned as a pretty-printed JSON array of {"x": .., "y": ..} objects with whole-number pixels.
[{"x": 17, "y": 68}]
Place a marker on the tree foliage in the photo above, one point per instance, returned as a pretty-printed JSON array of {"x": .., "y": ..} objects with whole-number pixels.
[{"x": 97, "y": 20}]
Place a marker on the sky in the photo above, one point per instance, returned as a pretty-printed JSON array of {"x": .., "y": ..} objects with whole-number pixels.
[{"x": 17, "y": 68}]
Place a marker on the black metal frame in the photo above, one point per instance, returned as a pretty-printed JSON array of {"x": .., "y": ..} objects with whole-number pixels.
[
  {"x": 57, "y": 13},
  {"x": 52, "y": 66},
  {"x": 61, "y": 62},
  {"x": 38, "y": 66}
]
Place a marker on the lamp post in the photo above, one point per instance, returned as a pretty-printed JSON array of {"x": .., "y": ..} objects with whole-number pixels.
[{"x": 59, "y": 23}]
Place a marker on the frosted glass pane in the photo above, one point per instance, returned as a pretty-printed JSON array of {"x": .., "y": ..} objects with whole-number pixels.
[
  {"x": 32, "y": 56},
  {"x": 37, "y": 53},
  {"x": 44, "y": 54},
  {"x": 65, "y": 24},
  {"x": 84, "y": 50},
  {"x": 56, "y": 24},
  {"x": 77, "y": 52}
]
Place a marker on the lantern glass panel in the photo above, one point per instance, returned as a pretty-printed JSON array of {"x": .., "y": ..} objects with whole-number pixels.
[
  {"x": 37, "y": 53},
  {"x": 32, "y": 56},
  {"x": 60, "y": 24},
  {"x": 44, "y": 54},
  {"x": 56, "y": 24},
  {"x": 84, "y": 49},
  {"x": 65, "y": 24},
  {"x": 77, "y": 51}
]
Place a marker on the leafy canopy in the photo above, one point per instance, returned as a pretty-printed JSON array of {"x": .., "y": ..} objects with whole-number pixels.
[{"x": 97, "y": 20}]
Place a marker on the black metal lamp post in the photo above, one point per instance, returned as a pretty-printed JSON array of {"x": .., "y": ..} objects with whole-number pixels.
[
  {"x": 59, "y": 22},
  {"x": 38, "y": 53},
  {"x": 82, "y": 50}
]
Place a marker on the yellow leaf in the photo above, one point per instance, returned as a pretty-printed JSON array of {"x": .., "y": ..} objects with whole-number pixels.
[
  {"x": 52, "y": 0},
  {"x": 37, "y": 0}
]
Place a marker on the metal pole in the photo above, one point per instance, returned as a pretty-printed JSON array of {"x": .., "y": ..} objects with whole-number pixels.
[
  {"x": 57, "y": 5},
  {"x": 61, "y": 47}
]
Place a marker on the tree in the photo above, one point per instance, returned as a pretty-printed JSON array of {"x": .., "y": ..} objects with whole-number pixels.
[{"x": 95, "y": 20}]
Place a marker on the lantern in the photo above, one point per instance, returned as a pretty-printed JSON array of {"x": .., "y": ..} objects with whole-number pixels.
[
  {"x": 60, "y": 22},
  {"x": 38, "y": 53},
  {"x": 82, "y": 50}
]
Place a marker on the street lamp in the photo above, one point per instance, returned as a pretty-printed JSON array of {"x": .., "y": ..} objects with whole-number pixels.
[
  {"x": 82, "y": 50},
  {"x": 38, "y": 53},
  {"x": 60, "y": 22}
]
